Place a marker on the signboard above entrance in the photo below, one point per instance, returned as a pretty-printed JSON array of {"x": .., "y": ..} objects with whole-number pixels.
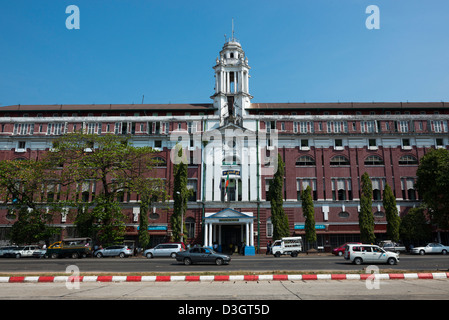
[{"x": 234, "y": 172}]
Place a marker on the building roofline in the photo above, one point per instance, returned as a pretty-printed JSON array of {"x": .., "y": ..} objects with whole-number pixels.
[
  {"x": 110, "y": 107},
  {"x": 348, "y": 105},
  {"x": 210, "y": 107}
]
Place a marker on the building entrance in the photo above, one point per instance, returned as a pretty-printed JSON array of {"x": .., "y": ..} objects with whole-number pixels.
[
  {"x": 231, "y": 238},
  {"x": 229, "y": 227}
]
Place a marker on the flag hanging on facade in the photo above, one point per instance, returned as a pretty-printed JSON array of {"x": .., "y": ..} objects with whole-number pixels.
[{"x": 226, "y": 184}]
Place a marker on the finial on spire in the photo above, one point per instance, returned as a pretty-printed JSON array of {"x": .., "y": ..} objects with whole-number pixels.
[{"x": 232, "y": 29}]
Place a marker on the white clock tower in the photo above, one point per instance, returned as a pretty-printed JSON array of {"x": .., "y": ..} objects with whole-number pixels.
[{"x": 231, "y": 96}]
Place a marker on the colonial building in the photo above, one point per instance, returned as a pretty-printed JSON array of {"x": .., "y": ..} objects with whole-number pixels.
[{"x": 234, "y": 142}]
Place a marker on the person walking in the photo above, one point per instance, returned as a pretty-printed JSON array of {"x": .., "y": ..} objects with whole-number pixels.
[{"x": 268, "y": 247}]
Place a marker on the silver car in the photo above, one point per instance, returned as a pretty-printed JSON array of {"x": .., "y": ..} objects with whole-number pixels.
[
  {"x": 431, "y": 248},
  {"x": 121, "y": 251},
  {"x": 163, "y": 250}
]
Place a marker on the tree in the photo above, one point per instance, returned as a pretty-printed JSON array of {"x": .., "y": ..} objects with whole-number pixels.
[
  {"x": 391, "y": 213},
  {"x": 150, "y": 190},
  {"x": 433, "y": 185},
  {"x": 278, "y": 216},
  {"x": 415, "y": 227},
  {"x": 366, "y": 218},
  {"x": 309, "y": 214},
  {"x": 109, "y": 162},
  {"x": 180, "y": 195},
  {"x": 24, "y": 185}
]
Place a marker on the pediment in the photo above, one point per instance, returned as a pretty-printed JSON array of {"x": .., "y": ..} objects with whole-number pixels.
[
  {"x": 229, "y": 213},
  {"x": 233, "y": 126}
]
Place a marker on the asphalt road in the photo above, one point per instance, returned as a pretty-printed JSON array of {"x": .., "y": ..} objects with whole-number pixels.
[
  {"x": 280, "y": 296},
  {"x": 258, "y": 263}
]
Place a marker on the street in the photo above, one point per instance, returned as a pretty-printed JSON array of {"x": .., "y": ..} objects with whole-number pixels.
[
  {"x": 179, "y": 292},
  {"x": 258, "y": 263}
]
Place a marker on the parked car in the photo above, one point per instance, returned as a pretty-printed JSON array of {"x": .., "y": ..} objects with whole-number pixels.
[
  {"x": 431, "y": 248},
  {"x": 202, "y": 255},
  {"x": 113, "y": 251},
  {"x": 340, "y": 251},
  {"x": 389, "y": 245},
  {"x": 4, "y": 250},
  {"x": 164, "y": 250},
  {"x": 39, "y": 253},
  {"x": 21, "y": 252},
  {"x": 367, "y": 253}
]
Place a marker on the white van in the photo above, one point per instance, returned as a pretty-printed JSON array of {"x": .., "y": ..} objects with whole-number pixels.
[
  {"x": 367, "y": 253},
  {"x": 288, "y": 245}
]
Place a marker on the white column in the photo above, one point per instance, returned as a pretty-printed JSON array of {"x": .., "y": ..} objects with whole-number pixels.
[
  {"x": 253, "y": 173},
  {"x": 206, "y": 232},
  {"x": 222, "y": 84},
  {"x": 210, "y": 235},
  {"x": 247, "y": 234},
  {"x": 217, "y": 173}
]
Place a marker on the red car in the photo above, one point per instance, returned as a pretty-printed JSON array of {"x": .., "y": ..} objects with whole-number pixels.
[{"x": 340, "y": 251}]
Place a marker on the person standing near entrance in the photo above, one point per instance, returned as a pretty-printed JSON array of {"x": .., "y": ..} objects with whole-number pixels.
[{"x": 268, "y": 247}]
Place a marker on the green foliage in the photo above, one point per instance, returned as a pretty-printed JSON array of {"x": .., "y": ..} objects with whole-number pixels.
[
  {"x": 23, "y": 185},
  {"x": 433, "y": 185},
  {"x": 366, "y": 218},
  {"x": 110, "y": 219},
  {"x": 180, "y": 196},
  {"x": 391, "y": 213},
  {"x": 278, "y": 216},
  {"x": 414, "y": 226},
  {"x": 39, "y": 189},
  {"x": 309, "y": 214},
  {"x": 31, "y": 226}
]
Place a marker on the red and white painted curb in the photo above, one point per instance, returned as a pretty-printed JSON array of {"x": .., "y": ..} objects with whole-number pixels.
[{"x": 279, "y": 277}]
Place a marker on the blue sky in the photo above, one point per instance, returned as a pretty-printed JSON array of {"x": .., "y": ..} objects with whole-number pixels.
[{"x": 299, "y": 50}]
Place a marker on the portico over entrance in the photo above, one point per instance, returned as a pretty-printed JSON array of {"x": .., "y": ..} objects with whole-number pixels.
[{"x": 229, "y": 227}]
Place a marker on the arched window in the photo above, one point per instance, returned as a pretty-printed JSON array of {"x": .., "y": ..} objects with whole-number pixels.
[
  {"x": 159, "y": 162},
  {"x": 374, "y": 161},
  {"x": 408, "y": 160},
  {"x": 343, "y": 214},
  {"x": 305, "y": 161},
  {"x": 339, "y": 161}
]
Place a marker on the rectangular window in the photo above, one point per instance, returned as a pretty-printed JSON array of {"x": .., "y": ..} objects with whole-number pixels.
[
  {"x": 368, "y": 126},
  {"x": 403, "y": 126},
  {"x": 337, "y": 126}
]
